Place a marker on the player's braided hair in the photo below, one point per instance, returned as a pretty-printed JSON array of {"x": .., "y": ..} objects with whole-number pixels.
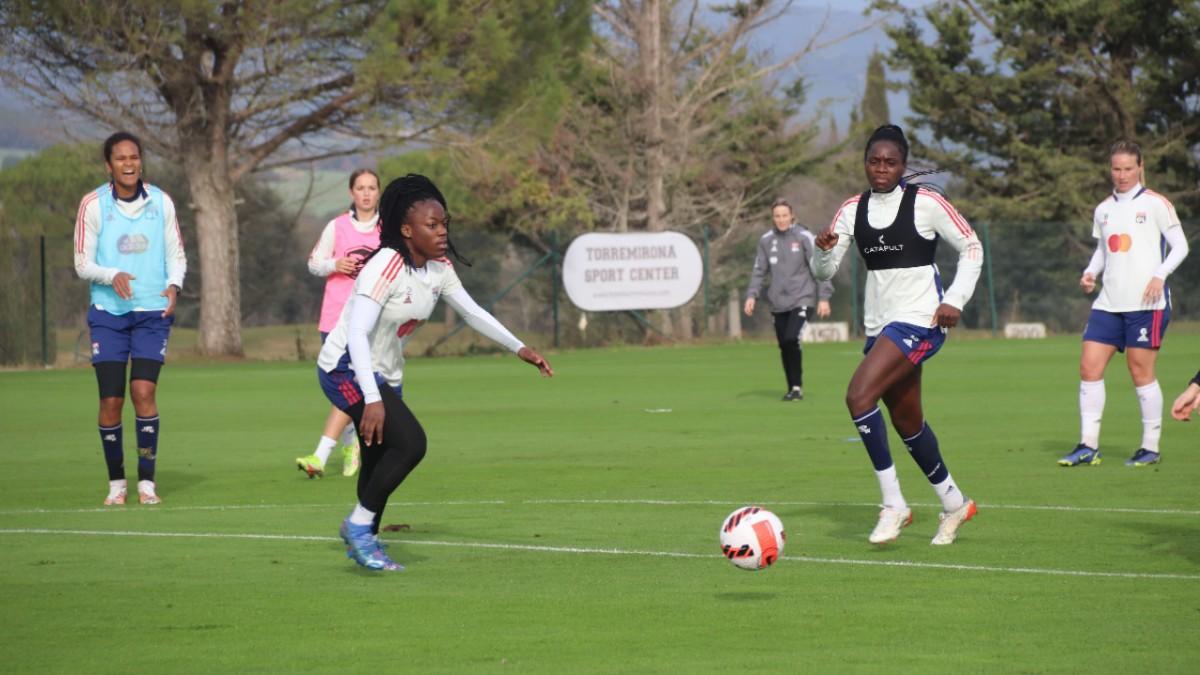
[
  {"x": 394, "y": 206},
  {"x": 888, "y": 132},
  {"x": 893, "y": 133}
]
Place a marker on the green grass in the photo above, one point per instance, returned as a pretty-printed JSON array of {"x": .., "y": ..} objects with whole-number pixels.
[{"x": 535, "y": 495}]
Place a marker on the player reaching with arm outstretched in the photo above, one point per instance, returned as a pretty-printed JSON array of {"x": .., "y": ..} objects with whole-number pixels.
[{"x": 361, "y": 365}]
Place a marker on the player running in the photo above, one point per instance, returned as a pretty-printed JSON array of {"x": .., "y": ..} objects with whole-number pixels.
[
  {"x": 338, "y": 256},
  {"x": 896, "y": 228},
  {"x": 1133, "y": 227},
  {"x": 361, "y": 366}
]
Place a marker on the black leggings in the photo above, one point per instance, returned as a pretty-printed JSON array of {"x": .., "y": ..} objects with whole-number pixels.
[
  {"x": 788, "y": 326},
  {"x": 386, "y": 465}
]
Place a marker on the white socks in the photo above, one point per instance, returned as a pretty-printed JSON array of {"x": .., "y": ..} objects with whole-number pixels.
[
  {"x": 1091, "y": 409},
  {"x": 889, "y": 486},
  {"x": 116, "y": 487},
  {"x": 1151, "y": 400},
  {"x": 349, "y": 435},
  {"x": 361, "y": 516},
  {"x": 952, "y": 498},
  {"x": 146, "y": 487},
  {"x": 324, "y": 448}
]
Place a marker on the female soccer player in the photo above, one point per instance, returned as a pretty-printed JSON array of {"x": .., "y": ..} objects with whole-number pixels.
[
  {"x": 1132, "y": 227},
  {"x": 361, "y": 366},
  {"x": 784, "y": 252},
  {"x": 127, "y": 244},
  {"x": 338, "y": 256},
  {"x": 896, "y": 228}
]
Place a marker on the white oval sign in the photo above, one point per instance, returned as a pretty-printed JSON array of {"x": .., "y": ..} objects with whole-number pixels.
[{"x": 605, "y": 271}]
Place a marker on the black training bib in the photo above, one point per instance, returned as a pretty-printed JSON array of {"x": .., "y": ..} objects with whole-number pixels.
[{"x": 898, "y": 245}]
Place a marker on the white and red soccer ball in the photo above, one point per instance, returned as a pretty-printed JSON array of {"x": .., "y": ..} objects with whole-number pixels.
[{"x": 752, "y": 538}]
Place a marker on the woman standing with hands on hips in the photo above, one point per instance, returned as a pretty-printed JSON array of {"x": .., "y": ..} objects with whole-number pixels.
[
  {"x": 896, "y": 228},
  {"x": 361, "y": 365}
]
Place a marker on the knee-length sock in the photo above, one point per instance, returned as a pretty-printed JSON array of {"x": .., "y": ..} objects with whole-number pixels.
[
  {"x": 925, "y": 451},
  {"x": 873, "y": 432}
]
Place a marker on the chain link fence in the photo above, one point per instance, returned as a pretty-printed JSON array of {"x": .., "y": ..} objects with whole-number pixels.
[{"x": 43, "y": 308}]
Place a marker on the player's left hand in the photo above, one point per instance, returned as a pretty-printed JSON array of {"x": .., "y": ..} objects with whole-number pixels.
[
  {"x": 1187, "y": 403},
  {"x": 171, "y": 294},
  {"x": 533, "y": 358},
  {"x": 823, "y": 309},
  {"x": 946, "y": 316},
  {"x": 1154, "y": 291}
]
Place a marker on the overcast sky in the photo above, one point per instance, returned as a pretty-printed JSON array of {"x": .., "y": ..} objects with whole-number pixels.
[{"x": 836, "y": 75}]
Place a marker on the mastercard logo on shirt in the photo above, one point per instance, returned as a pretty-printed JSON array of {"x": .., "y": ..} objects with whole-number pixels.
[{"x": 1119, "y": 243}]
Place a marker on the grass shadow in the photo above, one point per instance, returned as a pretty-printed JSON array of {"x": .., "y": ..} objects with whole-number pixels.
[
  {"x": 761, "y": 393},
  {"x": 176, "y": 480},
  {"x": 747, "y": 596},
  {"x": 1182, "y": 541}
]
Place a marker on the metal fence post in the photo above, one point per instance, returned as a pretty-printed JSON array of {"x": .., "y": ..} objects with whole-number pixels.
[
  {"x": 987, "y": 262},
  {"x": 45, "y": 310},
  {"x": 854, "y": 295}
]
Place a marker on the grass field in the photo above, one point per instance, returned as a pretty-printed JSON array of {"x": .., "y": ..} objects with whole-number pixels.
[{"x": 570, "y": 525}]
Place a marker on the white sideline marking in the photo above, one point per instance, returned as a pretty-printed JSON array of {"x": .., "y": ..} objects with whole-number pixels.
[
  {"x": 615, "y": 502},
  {"x": 874, "y": 505},
  {"x": 618, "y": 551}
]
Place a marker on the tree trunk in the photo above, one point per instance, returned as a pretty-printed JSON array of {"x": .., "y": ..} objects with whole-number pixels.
[
  {"x": 217, "y": 235},
  {"x": 735, "y": 315},
  {"x": 652, "y": 67},
  {"x": 686, "y": 327}
]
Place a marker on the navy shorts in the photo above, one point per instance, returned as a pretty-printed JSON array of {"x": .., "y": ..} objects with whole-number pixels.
[
  {"x": 342, "y": 389},
  {"x": 918, "y": 343},
  {"x": 1144, "y": 330},
  {"x": 139, "y": 335}
]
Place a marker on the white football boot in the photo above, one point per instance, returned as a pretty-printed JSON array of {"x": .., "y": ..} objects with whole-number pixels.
[
  {"x": 949, "y": 522},
  {"x": 891, "y": 521}
]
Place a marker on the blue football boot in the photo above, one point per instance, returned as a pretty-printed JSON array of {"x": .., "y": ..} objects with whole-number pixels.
[
  {"x": 360, "y": 541},
  {"x": 1082, "y": 454},
  {"x": 1142, "y": 457}
]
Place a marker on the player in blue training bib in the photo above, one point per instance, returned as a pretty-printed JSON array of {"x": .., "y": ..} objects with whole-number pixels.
[{"x": 128, "y": 245}]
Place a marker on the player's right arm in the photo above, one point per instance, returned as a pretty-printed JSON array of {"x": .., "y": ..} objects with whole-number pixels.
[
  {"x": 371, "y": 291},
  {"x": 1092, "y": 272},
  {"x": 321, "y": 262},
  {"x": 832, "y": 243},
  {"x": 87, "y": 234},
  {"x": 761, "y": 265}
]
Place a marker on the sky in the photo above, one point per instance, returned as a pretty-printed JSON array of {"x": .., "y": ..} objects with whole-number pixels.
[{"x": 836, "y": 75}]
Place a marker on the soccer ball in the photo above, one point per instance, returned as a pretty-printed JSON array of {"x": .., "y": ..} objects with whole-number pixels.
[{"x": 752, "y": 538}]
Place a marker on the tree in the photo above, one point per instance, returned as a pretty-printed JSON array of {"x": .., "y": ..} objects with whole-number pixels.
[
  {"x": 29, "y": 210},
  {"x": 224, "y": 89},
  {"x": 874, "y": 109},
  {"x": 1021, "y": 101}
]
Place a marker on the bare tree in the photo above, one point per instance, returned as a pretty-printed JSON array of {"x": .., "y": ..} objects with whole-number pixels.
[
  {"x": 227, "y": 88},
  {"x": 706, "y": 128}
]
